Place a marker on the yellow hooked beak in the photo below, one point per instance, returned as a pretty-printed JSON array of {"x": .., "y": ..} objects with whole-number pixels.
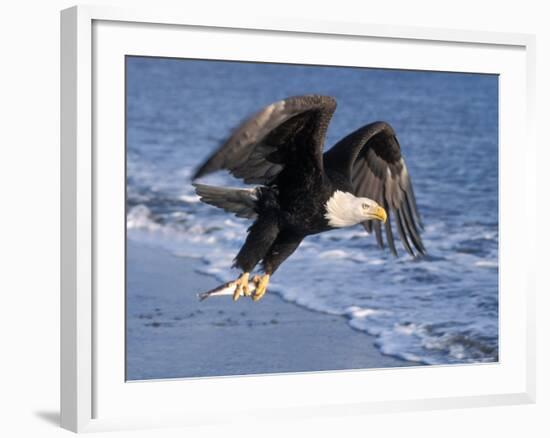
[{"x": 379, "y": 213}]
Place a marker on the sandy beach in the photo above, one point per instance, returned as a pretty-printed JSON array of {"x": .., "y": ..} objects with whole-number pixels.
[{"x": 170, "y": 334}]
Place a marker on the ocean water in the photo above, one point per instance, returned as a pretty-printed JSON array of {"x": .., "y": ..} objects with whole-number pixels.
[{"x": 439, "y": 309}]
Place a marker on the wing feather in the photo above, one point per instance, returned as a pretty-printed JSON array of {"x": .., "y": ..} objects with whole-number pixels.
[
  {"x": 241, "y": 202},
  {"x": 389, "y": 233},
  {"x": 401, "y": 232},
  {"x": 378, "y": 233}
]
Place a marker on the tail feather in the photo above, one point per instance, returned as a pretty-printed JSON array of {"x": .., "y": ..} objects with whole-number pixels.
[{"x": 241, "y": 202}]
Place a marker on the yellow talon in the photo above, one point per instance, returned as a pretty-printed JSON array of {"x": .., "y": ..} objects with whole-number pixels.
[
  {"x": 261, "y": 286},
  {"x": 241, "y": 286}
]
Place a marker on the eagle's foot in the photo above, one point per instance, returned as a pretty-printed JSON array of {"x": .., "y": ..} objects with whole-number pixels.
[
  {"x": 241, "y": 284},
  {"x": 261, "y": 286}
]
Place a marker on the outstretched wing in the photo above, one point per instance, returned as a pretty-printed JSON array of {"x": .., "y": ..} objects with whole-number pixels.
[
  {"x": 371, "y": 158},
  {"x": 260, "y": 148}
]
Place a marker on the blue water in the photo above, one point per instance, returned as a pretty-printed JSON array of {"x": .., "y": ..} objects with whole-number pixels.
[{"x": 437, "y": 310}]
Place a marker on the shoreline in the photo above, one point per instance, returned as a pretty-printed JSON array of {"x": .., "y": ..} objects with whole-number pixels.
[{"x": 170, "y": 334}]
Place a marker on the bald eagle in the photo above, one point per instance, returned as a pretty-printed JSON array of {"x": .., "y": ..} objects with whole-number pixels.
[{"x": 302, "y": 191}]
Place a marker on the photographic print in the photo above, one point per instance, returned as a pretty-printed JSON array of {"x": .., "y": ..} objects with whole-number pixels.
[{"x": 299, "y": 218}]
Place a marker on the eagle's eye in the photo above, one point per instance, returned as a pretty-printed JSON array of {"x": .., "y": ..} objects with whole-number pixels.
[{"x": 365, "y": 205}]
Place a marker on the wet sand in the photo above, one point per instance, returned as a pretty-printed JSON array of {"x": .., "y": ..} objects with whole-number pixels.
[{"x": 170, "y": 334}]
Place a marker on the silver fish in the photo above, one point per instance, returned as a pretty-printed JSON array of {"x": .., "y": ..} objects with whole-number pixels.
[{"x": 225, "y": 289}]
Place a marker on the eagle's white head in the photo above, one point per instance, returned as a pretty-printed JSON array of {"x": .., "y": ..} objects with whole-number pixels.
[{"x": 344, "y": 210}]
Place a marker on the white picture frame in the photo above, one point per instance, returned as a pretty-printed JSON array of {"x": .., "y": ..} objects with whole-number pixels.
[{"x": 93, "y": 395}]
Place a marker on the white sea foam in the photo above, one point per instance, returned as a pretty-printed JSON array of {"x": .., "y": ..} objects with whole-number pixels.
[
  {"x": 334, "y": 254},
  {"x": 140, "y": 217},
  {"x": 361, "y": 312},
  {"x": 190, "y": 199},
  {"x": 376, "y": 262},
  {"x": 486, "y": 263}
]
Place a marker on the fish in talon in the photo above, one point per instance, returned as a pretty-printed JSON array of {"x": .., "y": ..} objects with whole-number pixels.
[{"x": 227, "y": 289}]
